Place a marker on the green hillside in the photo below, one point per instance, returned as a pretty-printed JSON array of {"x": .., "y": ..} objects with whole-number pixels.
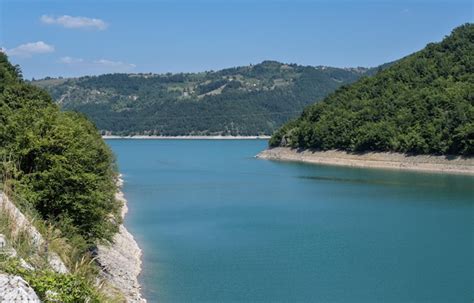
[
  {"x": 58, "y": 171},
  {"x": 247, "y": 100},
  {"x": 55, "y": 162},
  {"x": 422, "y": 104}
]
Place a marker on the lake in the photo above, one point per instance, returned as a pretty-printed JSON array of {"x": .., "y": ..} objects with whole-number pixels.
[{"x": 217, "y": 225}]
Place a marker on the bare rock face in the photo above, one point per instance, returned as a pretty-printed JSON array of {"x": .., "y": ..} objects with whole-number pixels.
[
  {"x": 120, "y": 264},
  {"x": 22, "y": 222},
  {"x": 14, "y": 289},
  {"x": 121, "y": 261}
]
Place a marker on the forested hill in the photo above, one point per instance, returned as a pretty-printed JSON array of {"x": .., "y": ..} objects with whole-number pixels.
[
  {"x": 249, "y": 100},
  {"x": 422, "y": 104}
]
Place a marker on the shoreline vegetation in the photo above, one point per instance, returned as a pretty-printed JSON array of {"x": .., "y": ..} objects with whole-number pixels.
[
  {"x": 379, "y": 160},
  {"x": 109, "y": 137},
  {"x": 62, "y": 174},
  {"x": 421, "y": 105}
]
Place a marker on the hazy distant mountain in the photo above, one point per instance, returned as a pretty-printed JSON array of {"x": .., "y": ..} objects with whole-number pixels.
[{"x": 246, "y": 100}]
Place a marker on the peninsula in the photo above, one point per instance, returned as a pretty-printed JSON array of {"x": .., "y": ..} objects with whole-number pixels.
[{"x": 417, "y": 114}]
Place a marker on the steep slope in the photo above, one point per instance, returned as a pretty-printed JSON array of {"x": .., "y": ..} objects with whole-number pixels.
[
  {"x": 57, "y": 198},
  {"x": 422, "y": 104},
  {"x": 248, "y": 100}
]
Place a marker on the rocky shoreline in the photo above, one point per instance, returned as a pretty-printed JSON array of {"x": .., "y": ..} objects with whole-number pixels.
[
  {"x": 398, "y": 161},
  {"x": 121, "y": 260}
]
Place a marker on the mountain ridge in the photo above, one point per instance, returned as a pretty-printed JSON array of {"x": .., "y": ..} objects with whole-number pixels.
[{"x": 244, "y": 100}]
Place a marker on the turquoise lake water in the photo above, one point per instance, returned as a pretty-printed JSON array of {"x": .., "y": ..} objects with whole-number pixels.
[{"x": 217, "y": 225}]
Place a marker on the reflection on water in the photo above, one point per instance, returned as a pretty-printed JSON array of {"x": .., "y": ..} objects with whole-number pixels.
[{"x": 463, "y": 183}]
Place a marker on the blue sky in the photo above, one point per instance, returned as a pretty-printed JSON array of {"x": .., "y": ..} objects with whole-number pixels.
[{"x": 72, "y": 38}]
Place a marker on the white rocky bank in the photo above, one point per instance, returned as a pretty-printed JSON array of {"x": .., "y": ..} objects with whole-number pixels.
[
  {"x": 386, "y": 160},
  {"x": 121, "y": 261}
]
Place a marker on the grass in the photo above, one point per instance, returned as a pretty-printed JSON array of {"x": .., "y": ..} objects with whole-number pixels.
[{"x": 81, "y": 284}]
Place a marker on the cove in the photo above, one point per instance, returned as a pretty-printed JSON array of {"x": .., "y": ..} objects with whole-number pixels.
[{"x": 217, "y": 225}]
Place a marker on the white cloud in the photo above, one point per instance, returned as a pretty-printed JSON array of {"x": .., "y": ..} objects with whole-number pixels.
[
  {"x": 75, "y": 22},
  {"x": 70, "y": 60},
  {"x": 97, "y": 66},
  {"x": 28, "y": 49},
  {"x": 110, "y": 63}
]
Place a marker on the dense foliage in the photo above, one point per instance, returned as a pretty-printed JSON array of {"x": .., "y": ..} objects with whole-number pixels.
[
  {"x": 422, "y": 104},
  {"x": 56, "y": 163},
  {"x": 249, "y": 100}
]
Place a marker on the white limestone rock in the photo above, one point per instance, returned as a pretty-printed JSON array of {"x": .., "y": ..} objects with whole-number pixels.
[
  {"x": 121, "y": 261},
  {"x": 22, "y": 222},
  {"x": 14, "y": 289}
]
